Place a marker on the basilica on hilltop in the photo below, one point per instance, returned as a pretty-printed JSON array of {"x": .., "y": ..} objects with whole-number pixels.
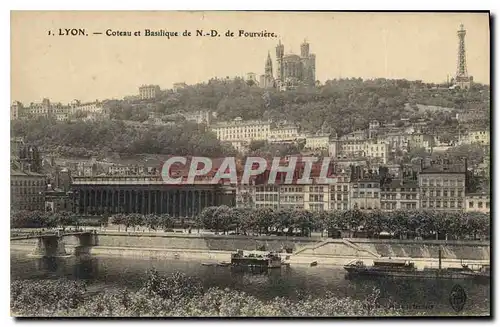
[{"x": 292, "y": 70}]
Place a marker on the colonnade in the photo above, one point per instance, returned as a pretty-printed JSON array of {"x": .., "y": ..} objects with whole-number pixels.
[{"x": 177, "y": 203}]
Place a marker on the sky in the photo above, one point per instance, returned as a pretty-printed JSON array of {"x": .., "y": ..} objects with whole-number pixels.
[{"x": 413, "y": 46}]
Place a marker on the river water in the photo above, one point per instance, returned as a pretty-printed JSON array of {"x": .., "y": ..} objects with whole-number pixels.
[{"x": 106, "y": 273}]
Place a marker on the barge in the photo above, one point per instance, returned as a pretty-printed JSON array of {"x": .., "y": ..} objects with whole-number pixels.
[
  {"x": 258, "y": 260},
  {"x": 391, "y": 268}
]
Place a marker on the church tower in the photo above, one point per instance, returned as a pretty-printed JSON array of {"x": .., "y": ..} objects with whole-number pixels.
[
  {"x": 308, "y": 64},
  {"x": 304, "y": 49},
  {"x": 268, "y": 71},
  {"x": 267, "y": 80},
  {"x": 280, "y": 52}
]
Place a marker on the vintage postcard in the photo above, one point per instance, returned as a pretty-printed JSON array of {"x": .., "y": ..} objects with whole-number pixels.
[{"x": 250, "y": 164}]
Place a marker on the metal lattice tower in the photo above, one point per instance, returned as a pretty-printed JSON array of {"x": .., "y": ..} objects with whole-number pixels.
[{"x": 461, "y": 64}]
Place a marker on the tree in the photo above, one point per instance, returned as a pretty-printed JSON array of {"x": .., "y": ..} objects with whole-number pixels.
[
  {"x": 304, "y": 221},
  {"x": 320, "y": 221},
  {"x": 118, "y": 219},
  {"x": 353, "y": 220},
  {"x": 248, "y": 221},
  {"x": 152, "y": 221},
  {"x": 166, "y": 221},
  {"x": 263, "y": 217},
  {"x": 374, "y": 223},
  {"x": 207, "y": 218},
  {"x": 223, "y": 218},
  {"x": 133, "y": 220},
  {"x": 283, "y": 220}
]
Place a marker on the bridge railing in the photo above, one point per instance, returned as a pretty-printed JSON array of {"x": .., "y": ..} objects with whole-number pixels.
[{"x": 52, "y": 233}]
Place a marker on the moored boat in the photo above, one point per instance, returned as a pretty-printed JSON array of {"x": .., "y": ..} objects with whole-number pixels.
[
  {"x": 483, "y": 273},
  {"x": 406, "y": 269},
  {"x": 254, "y": 259}
]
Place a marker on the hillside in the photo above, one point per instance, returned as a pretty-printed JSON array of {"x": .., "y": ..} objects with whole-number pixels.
[
  {"x": 338, "y": 106},
  {"x": 101, "y": 138}
]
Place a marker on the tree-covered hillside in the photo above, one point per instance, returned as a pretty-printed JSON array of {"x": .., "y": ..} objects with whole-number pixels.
[
  {"x": 338, "y": 106},
  {"x": 84, "y": 139}
]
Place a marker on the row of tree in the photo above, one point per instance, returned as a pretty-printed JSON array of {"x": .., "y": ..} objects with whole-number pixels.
[
  {"x": 401, "y": 223},
  {"x": 41, "y": 219},
  {"x": 151, "y": 221}
]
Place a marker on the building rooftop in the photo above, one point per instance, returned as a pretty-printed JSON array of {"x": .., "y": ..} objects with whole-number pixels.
[
  {"x": 239, "y": 123},
  {"x": 398, "y": 183},
  {"x": 444, "y": 169},
  {"x": 16, "y": 172}
]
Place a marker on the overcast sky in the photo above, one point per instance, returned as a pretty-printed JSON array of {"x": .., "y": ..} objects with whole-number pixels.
[{"x": 368, "y": 45}]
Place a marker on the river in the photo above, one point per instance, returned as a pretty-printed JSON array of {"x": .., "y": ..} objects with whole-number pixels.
[{"x": 106, "y": 273}]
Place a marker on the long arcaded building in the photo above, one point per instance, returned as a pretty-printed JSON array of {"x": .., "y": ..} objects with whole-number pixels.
[{"x": 97, "y": 195}]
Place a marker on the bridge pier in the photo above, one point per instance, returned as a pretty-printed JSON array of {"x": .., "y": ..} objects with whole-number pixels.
[
  {"x": 53, "y": 245},
  {"x": 50, "y": 246},
  {"x": 88, "y": 239}
]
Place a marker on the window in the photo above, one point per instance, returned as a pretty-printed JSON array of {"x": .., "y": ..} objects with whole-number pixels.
[
  {"x": 487, "y": 205},
  {"x": 445, "y": 193},
  {"x": 471, "y": 204},
  {"x": 480, "y": 204},
  {"x": 452, "y": 193},
  {"x": 375, "y": 194}
]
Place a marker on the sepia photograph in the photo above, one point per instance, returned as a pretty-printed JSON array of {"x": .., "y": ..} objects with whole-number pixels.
[{"x": 243, "y": 164}]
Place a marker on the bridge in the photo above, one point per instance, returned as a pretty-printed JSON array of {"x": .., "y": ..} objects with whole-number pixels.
[{"x": 52, "y": 244}]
